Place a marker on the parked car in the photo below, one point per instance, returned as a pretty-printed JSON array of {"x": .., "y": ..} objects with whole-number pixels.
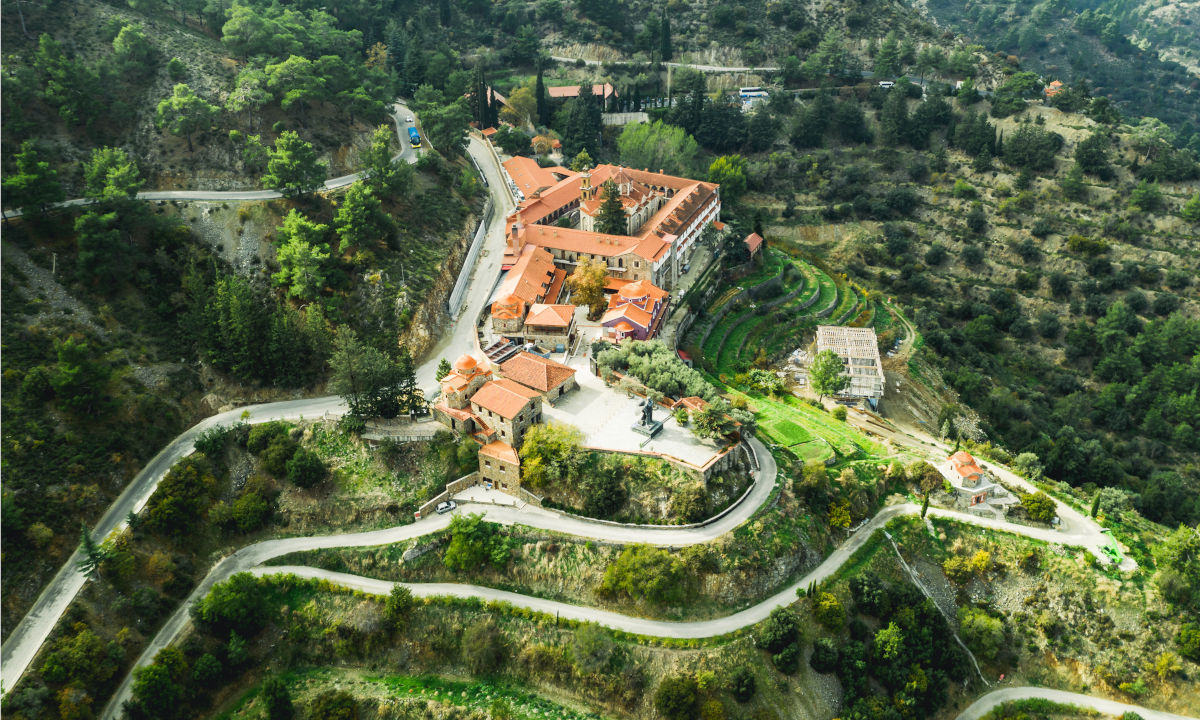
[
  {"x": 446, "y": 507},
  {"x": 409, "y": 119},
  {"x": 887, "y": 84}
]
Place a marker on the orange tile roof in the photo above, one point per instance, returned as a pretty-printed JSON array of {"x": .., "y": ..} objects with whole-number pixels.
[
  {"x": 500, "y": 451},
  {"x": 528, "y": 176},
  {"x": 637, "y": 291},
  {"x": 556, "y": 285},
  {"x": 504, "y": 397},
  {"x": 632, "y": 313},
  {"x": 753, "y": 242},
  {"x": 488, "y": 132},
  {"x": 592, "y": 243},
  {"x": 508, "y": 307},
  {"x": 530, "y": 277},
  {"x": 570, "y": 91},
  {"x": 612, "y": 283},
  {"x": 550, "y": 315},
  {"x": 692, "y": 403},
  {"x": 535, "y": 371}
]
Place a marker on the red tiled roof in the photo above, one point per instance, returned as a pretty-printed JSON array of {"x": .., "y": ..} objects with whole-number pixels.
[
  {"x": 537, "y": 372},
  {"x": 550, "y": 315},
  {"x": 692, "y": 403},
  {"x": 592, "y": 243},
  {"x": 632, "y": 313},
  {"x": 530, "y": 277},
  {"x": 638, "y": 290},
  {"x": 509, "y": 307},
  {"x": 528, "y": 176},
  {"x": 500, "y": 451},
  {"x": 753, "y": 242},
  {"x": 488, "y": 132},
  {"x": 504, "y": 397},
  {"x": 570, "y": 91}
]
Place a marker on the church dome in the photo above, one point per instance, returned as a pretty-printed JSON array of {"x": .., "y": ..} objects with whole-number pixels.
[{"x": 465, "y": 364}]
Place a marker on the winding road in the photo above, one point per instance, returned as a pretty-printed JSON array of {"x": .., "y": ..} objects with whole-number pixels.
[
  {"x": 400, "y": 113},
  {"x": 22, "y": 645}
]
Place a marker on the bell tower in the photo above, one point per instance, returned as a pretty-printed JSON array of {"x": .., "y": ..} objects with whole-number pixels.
[{"x": 585, "y": 187}]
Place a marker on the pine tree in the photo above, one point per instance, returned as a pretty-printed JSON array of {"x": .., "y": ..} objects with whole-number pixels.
[
  {"x": 93, "y": 554},
  {"x": 664, "y": 45},
  {"x": 443, "y": 369},
  {"x": 610, "y": 219},
  {"x": 35, "y": 185},
  {"x": 925, "y": 506},
  {"x": 1095, "y": 505}
]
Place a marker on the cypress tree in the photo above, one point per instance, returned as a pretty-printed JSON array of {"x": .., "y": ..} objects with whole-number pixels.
[
  {"x": 1095, "y": 505},
  {"x": 664, "y": 46},
  {"x": 610, "y": 218},
  {"x": 543, "y": 103},
  {"x": 925, "y": 506}
]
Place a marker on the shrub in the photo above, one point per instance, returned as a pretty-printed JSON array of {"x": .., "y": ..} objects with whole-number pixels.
[
  {"x": 333, "y": 705},
  {"x": 398, "y": 606},
  {"x": 275, "y": 458},
  {"x": 824, "y": 657},
  {"x": 483, "y": 647},
  {"x": 260, "y": 436},
  {"x": 742, "y": 684},
  {"x": 645, "y": 572},
  {"x": 1039, "y": 505},
  {"x": 1188, "y": 640},
  {"x": 839, "y": 413},
  {"x": 983, "y": 633},
  {"x": 237, "y": 605},
  {"x": 780, "y": 629},
  {"x": 677, "y": 697},
  {"x": 305, "y": 469},
  {"x": 963, "y": 190},
  {"x": 277, "y": 699},
  {"x": 787, "y": 660},
  {"x": 828, "y": 611}
]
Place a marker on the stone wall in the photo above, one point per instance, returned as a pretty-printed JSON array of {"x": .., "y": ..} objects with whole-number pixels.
[{"x": 453, "y": 487}]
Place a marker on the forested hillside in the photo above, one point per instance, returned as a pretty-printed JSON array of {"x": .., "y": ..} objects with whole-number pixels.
[
  {"x": 1144, "y": 59},
  {"x": 129, "y": 314}
]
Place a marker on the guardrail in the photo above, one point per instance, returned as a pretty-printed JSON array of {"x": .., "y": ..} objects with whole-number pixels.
[{"x": 454, "y": 304}]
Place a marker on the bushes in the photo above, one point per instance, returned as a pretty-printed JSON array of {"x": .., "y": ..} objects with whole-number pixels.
[
  {"x": 305, "y": 469},
  {"x": 483, "y": 647},
  {"x": 646, "y": 573},
  {"x": 824, "y": 658},
  {"x": 983, "y": 633},
  {"x": 828, "y": 611},
  {"x": 237, "y": 605},
  {"x": 1039, "y": 505},
  {"x": 474, "y": 542},
  {"x": 742, "y": 684},
  {"x": 677, "y": 697}
]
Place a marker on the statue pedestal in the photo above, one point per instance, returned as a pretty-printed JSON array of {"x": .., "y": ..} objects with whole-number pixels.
[{"x": 648, "y": 430}]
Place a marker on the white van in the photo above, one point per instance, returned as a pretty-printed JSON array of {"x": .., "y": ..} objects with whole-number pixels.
[{"x": 887, "y": 84}]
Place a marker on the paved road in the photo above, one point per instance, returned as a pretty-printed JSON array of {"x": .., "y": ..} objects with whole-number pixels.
[
  {"x": 22, "y": 644},
  {"x": 400, "y": 115},
  {"x": 485, "y": 274},
  {"x": 693, "y": 66},
  {"x": 252, "y": 556},
  {"x": 1111, "y": 707}
]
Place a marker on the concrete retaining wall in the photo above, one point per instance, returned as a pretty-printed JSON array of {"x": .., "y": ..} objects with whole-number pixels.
[{"x": 454, "y": 304}]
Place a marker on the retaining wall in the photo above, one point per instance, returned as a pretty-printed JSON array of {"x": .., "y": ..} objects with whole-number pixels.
[
  {"x": 452, "y": 487},
  {"x": 454, "y": 304}
]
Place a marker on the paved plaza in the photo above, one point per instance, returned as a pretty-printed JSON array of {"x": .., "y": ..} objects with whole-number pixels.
[{"x": 604, "y": 416}]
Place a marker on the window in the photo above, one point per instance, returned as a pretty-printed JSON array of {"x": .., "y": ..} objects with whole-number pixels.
[{"x": 487, "y": 463}]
